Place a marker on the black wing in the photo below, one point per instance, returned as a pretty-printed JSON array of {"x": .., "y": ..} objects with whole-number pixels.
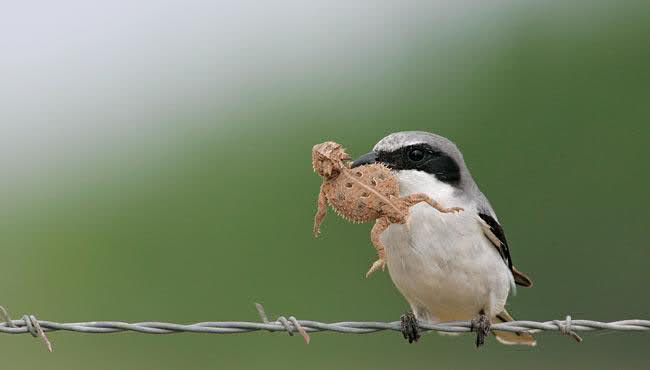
[
  {"x": 497, "y": 236},
  {"x": 501, "y": 243}
]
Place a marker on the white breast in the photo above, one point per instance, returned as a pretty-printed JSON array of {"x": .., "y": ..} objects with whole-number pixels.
[{"x": 445, "y": 266}]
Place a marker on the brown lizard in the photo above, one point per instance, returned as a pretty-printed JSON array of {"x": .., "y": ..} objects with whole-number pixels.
[{"x": 365, "y": 193}]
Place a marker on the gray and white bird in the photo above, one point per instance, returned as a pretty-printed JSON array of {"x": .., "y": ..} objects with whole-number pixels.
[{"x": 448, "y": 266}]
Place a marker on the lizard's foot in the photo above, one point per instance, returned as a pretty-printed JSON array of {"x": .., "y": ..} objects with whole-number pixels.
[
  {"x": 410, "y": 328},
  {"x": 380, "y": 263},
  {"x": 481, "y": 325},
  {"x": 452, "y": 210}
]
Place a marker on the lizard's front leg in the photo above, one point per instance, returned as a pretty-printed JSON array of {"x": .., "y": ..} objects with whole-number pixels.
[
  {"x": 322, "y": 210},
  {"x": 421, "y": 197},
  {"x": 380, "y": 226}
]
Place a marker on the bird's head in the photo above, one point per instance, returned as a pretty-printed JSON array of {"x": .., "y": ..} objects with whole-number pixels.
[{"x": 419, "y": 159}]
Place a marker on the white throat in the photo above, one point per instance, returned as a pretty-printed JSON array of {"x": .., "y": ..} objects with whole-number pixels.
[{"x": 413, "y": 181}]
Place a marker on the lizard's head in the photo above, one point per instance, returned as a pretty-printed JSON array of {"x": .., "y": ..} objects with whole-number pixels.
[{"x": 328, "y": 158}]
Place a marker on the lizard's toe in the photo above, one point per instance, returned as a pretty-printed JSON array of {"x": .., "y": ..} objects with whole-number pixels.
[{"x": 380, "y": 263}]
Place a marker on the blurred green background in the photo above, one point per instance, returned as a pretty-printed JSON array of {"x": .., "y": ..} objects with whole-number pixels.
[{"x": 155, "y": 164}]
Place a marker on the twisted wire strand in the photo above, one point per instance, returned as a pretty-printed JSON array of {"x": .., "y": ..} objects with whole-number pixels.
[
  {"x": 38, "y": 328},
  {"x": 309, "y": 326}
]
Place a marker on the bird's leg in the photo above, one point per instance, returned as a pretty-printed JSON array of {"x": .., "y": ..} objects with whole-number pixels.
[
  {"x": 322, "y": 210},
  {"x": 421, "y": 197},
  {"x": 410, "y": 328},
  {"x": 481, "y": 325},
  {"x": 380, "y": 226}
]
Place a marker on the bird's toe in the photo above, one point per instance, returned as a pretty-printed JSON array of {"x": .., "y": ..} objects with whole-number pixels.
[
  {"x": 410, "y": 328},
  {"x": 481, "y": 325}
]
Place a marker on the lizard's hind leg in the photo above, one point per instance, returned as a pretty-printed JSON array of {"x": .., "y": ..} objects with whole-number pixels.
[
  {"x": 421, "y": 197},
  {"x": 322, "y": 211},
  {"x": 380, "y": 226}
]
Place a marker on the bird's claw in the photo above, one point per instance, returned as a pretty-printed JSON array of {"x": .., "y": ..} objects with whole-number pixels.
[
  {"x": 481, "y": 325},
  {"x": 410, "y": 328}
]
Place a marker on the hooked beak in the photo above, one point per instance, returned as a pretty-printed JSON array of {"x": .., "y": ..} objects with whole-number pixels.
[{"x": 368, "y": 158}]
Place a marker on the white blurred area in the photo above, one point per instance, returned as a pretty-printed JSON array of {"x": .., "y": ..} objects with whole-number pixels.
[{"x": 88, "y": 82}]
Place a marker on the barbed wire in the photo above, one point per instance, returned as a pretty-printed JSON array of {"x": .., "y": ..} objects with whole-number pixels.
[{"x": 38, "y": 328}]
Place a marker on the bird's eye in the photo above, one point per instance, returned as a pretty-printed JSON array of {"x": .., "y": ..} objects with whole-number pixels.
[{"x": 416, "y": 155}]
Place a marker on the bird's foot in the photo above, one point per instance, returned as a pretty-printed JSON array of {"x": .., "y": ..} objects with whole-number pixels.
[
  {"x": 453, "y": 210},
  {"x": 380, "y": 263},
  {"x": 410, "y": 328},
  {"x": 481, "y": 325}
]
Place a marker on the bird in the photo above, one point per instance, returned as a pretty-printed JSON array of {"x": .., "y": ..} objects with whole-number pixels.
[{"x": 448, "y": 266}]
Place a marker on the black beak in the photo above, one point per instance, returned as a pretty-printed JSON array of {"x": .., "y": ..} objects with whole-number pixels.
[{"x": 368, "y": 158}]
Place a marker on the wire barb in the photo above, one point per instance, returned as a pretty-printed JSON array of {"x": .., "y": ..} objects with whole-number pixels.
[
  {"x": 566, "y": 329},
  {"x": 6, "y": 318},
  {"x": 35, "y": 330},
  {"x": 260, "y": 310},
  {"x": 31, "y": 323},
  {"x": 284, "y": 322},
  {"x": 301, "y": 330}
]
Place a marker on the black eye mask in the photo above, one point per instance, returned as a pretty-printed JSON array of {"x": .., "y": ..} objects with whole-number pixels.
[{"x": 422, "y": 157}]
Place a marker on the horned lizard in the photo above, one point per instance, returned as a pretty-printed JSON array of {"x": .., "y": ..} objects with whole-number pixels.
[{"x": 365, "y": 193}]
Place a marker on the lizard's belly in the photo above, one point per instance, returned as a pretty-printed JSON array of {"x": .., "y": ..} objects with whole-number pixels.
[{"x": 445, "y": 267}]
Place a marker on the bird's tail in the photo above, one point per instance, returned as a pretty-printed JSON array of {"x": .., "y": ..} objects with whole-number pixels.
[{"x": 507, "y": 337}]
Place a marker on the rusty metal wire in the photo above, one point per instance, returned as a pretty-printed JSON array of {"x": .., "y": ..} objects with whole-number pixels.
[{"x": 38, "y": 328}]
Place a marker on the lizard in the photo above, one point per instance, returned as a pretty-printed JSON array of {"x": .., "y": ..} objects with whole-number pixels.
[{"x": 365, "y": 193}]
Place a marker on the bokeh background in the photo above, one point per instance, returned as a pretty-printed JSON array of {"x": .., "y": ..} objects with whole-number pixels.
[{"x": 155, "y": 166}]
